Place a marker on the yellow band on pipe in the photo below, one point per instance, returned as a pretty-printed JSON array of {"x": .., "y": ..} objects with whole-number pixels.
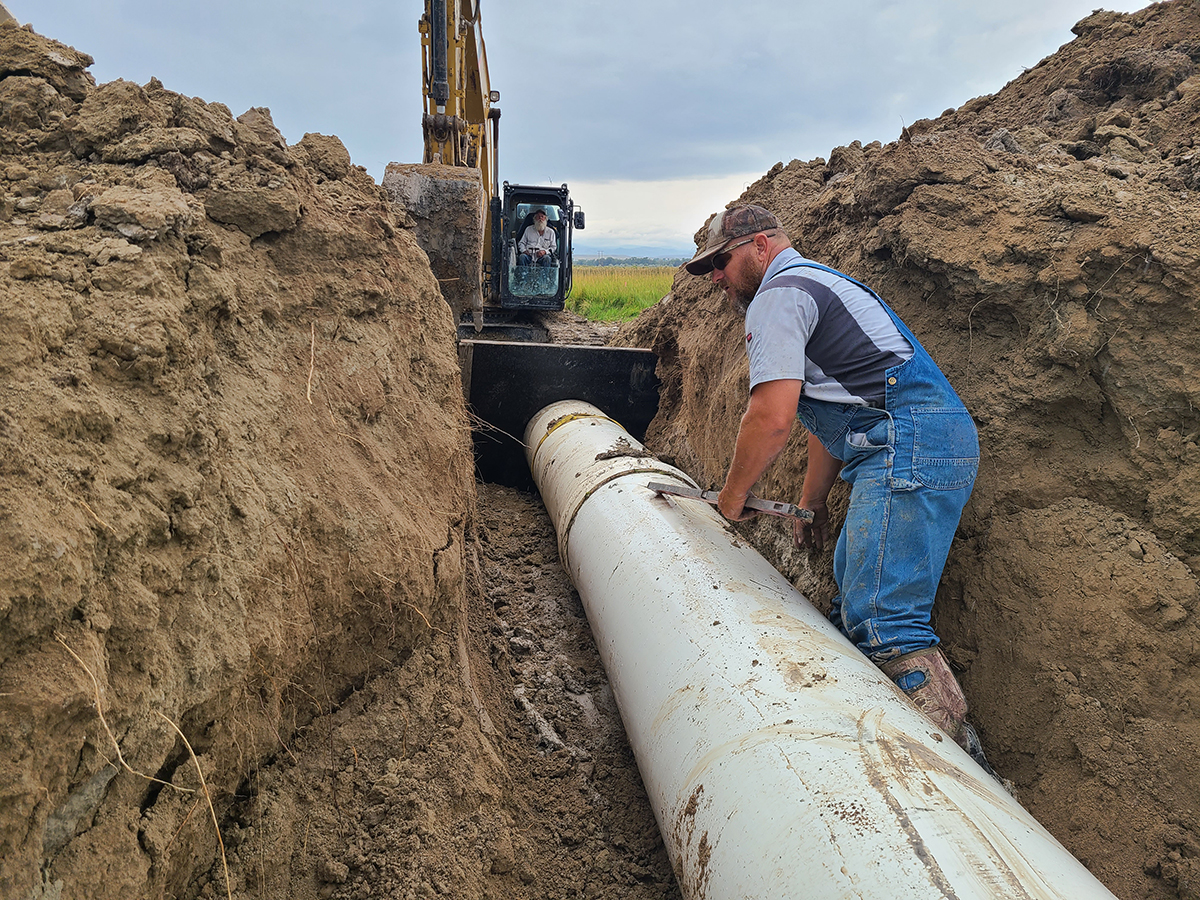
[{"x": 557, "y": 423}]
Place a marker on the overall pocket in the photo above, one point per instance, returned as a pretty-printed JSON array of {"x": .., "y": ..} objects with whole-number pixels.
[
  {"x": 872, "y": 434},
  {"x": 869, "y": 445},
  {"x": 945, "y": 448}
]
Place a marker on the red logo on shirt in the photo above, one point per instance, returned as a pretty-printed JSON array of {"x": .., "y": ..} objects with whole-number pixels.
[{"x": 749, "y": 337}]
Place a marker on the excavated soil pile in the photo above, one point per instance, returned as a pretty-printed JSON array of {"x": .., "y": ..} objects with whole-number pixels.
[
  {"x": 235, "y": 476},
  {"x": 1042, "y": 243},
  {"x": 237, "y": 499}
]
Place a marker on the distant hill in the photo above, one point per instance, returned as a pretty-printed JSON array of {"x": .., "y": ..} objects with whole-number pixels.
[{"x": 671, "y": 262}]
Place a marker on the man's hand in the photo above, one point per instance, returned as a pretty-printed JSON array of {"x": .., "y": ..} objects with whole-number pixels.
[
  {"x": 733, "y": 506},
  {"x": 813, "y": 534}
]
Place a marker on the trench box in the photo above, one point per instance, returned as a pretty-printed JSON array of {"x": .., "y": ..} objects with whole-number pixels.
[{"x": 507, "y": 383}]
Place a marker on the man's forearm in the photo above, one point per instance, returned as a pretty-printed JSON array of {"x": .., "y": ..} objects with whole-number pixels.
[
  {"x": 760, "y": 440},
  {"x": 762, "y": 435}
]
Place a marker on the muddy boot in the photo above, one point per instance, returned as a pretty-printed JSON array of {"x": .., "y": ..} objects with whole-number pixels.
[{"x": 925, "y": 676}]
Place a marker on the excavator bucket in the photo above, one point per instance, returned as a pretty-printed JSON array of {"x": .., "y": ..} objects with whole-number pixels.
[
  {"x": 507, "y": 383},
  {"x": 447, "y": 205}
]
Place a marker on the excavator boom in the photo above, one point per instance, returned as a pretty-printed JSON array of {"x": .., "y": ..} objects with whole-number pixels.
[{"x": 457, "y": 92}]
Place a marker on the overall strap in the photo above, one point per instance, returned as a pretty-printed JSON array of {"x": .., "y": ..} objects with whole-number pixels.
[
  {"x": 896, "y": 320},
  {"x": 809, "y": 264}
]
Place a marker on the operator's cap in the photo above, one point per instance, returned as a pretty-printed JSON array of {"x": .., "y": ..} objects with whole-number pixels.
[
  {"x": 541, "y": 212},
  {"x": 726, "y": 227}
]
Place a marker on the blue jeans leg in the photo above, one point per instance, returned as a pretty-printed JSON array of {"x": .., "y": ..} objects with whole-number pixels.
[{"x": 889, "y": 559}]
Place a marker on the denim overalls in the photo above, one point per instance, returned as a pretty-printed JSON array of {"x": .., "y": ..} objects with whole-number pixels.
[{"x": 911, "y": 466}]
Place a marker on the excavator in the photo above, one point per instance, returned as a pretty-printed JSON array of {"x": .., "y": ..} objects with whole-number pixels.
[
  {"x": 478, "y": 266},
  {"x": 470, "y": 224}
]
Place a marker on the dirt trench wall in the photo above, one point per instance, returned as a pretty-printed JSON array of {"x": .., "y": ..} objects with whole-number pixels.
[
  {"x": 1041, "y": 242},
  {"x": 224, "y": 370}
]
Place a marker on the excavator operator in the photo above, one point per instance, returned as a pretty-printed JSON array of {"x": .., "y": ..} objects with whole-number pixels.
[
  {"x": 881, "y": 415},
  {"x": 538, "y": 243}
]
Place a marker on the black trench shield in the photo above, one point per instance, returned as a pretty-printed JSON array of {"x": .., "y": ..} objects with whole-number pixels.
[{"x": 506, "y": 384}]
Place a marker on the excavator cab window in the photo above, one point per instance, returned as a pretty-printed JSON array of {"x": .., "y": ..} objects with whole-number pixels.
[{"x": 534, "y": 281}]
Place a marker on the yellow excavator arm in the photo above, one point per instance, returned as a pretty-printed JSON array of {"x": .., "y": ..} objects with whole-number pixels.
[{"x": 457, "y": 93}]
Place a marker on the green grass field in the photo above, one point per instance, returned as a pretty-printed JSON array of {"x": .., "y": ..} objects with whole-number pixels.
[{"x": 617, "y": 293}]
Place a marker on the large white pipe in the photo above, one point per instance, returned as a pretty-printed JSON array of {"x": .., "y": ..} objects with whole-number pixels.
[{"x": 779, "y": 761}]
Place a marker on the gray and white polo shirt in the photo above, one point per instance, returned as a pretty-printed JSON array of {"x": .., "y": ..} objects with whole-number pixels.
[{"x": 825, "y": 330}]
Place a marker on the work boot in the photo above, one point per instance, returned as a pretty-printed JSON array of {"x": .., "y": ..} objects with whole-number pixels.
[{"x": 925, "y": 677}]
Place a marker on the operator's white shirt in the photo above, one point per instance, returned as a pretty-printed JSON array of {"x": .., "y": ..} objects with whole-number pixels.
[{"x": 531, "y": 241}]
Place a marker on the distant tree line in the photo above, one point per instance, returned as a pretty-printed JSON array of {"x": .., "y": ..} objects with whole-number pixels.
[{"x": 630, "y": 261}]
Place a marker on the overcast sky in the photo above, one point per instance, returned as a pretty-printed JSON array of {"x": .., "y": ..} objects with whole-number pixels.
[{"x": 655, "y": 112}]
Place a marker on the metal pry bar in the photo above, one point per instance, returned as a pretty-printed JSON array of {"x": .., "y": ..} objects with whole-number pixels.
[{"x": 770, "y": 507}]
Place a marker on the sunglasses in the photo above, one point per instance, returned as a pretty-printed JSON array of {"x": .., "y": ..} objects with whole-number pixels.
[{"x": 721, "y": 260}]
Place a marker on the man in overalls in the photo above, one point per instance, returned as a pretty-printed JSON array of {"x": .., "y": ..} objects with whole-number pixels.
[{"x": 880, "y": 414}]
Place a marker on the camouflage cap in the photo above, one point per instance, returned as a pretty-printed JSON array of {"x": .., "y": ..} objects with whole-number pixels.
[{"x": 727, "y": 226}]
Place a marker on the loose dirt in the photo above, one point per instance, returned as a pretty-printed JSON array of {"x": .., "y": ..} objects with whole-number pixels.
[
  {"x": 236, "y": 493},
  {"x": 512, "y": 777}
]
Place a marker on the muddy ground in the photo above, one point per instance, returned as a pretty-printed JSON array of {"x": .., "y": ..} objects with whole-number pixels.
[
  {"x": 237, "y": 493},
  {"x": 414, "y": 789}
]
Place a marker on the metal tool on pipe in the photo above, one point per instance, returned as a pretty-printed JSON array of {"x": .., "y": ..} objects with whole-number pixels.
[
  {"x": 767, "y": 507},
  {"x": 778, "y": 760}
]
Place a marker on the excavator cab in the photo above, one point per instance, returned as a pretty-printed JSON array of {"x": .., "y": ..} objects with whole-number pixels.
[
  {"x": 529, "y": 279},
  {"x": 533, "y": 287}
]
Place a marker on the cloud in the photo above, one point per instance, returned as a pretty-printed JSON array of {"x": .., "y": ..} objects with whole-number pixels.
[
  {"x": 653, "y": 218},
  {"x": 663, "y": 90}
]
